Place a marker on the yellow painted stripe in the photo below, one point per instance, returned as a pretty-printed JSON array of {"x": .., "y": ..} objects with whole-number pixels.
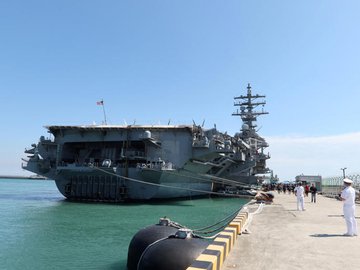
[
  {"x": 233, "y": 231},
  {"x": 242, "y": 220},
  {"x": 209, "y": 258},
  {"x": 218, "y": 248},
  {"x": 237, "y": 226},
  {"x": 239, "y": 220},
  {"x": 226, "y": 241},
  {"x": 229, "y": 234},
  {"x": 243, "y": 214},
  {"x": 243, "y": 217}
]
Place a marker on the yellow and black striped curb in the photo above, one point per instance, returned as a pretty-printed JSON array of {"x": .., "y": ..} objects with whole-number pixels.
[{"x": 214, "y": 255}]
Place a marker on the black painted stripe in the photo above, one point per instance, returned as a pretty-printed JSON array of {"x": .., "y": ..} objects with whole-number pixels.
[
  {"x": 216, "y": 253},
  {"x": 202, "y": 265},
  {"x": 233, "y": 232},
  {"x": 222, "y": 244}
]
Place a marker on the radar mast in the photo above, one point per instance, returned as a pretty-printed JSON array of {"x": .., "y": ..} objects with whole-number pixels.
[
  {"x": 247, "y": 106},
  {"x": 255, "y": 154}
]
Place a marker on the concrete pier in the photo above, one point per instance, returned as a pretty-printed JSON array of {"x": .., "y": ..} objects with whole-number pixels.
[{"x": 283, "y": 238}]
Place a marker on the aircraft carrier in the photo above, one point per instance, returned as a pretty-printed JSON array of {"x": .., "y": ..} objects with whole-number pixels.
[{"x": 114, "y": 163}]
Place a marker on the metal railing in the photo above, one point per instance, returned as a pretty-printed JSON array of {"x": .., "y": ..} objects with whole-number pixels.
[{"x": 332, "y": 186}]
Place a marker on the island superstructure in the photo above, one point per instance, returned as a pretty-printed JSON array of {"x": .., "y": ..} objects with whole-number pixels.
[
  {"x": 142, "y": 162},
  {"x": 257, "y": 144}
]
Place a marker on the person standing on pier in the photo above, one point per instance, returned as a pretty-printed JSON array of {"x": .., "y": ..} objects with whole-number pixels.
[
  {"x": 313, "y": 191},
  {"x": 299, "y": 192},
  {"x": 348, "y": 197}
]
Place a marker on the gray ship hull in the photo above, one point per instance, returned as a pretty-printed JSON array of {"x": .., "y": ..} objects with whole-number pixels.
[
  {"x": 106, "y": 185},
  {"x": 110, "y": 184}
]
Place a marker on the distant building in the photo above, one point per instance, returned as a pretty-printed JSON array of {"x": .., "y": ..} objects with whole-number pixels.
[{"x": 310, "y": 179}]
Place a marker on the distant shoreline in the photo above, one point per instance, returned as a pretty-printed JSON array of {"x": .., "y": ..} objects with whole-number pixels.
[{"x": 31, "y": 177}]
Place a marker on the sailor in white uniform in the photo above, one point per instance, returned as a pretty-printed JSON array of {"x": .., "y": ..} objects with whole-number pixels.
[
  {"x": 299, "y": 192},
  {"x": 348, "y": 197}
]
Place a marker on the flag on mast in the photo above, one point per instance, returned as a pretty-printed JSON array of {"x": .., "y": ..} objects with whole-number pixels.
[{"x": 101, "y": 102}]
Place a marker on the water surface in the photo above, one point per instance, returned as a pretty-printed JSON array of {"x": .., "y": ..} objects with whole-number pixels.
[{"x": 41, "y": 230}]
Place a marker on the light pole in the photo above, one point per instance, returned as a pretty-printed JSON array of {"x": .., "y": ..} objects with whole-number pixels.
[{"x": 343, "y": 169}]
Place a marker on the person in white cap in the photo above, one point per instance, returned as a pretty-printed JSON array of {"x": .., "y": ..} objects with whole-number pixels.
[{"x": 348, "y": 197}]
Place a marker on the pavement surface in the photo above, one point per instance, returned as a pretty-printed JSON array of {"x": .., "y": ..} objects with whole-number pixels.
[{"x": 283, "y": 238}]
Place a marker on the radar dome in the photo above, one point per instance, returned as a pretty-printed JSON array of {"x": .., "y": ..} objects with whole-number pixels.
[
  {"x": 147, "y": 134},
  {"x": 245, "y": 127}
]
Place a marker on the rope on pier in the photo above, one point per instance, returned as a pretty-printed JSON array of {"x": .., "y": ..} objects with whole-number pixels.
[{"x": 250, "y": 217}]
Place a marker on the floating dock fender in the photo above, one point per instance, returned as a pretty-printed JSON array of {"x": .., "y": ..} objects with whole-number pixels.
[
  {"x": 176, "y": 252},
  {"x": 145, "y": 237}
]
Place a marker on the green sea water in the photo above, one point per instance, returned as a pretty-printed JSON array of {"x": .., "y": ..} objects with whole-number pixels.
[{"x": 41, "y": 230}]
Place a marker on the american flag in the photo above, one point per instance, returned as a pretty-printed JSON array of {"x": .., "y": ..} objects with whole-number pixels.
[{"x": 101, "y": 102}]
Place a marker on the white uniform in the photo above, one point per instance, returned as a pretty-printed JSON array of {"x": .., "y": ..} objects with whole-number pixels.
[
  {"x": 299, "y": 190},
  {"x": 348, "y": 194}
]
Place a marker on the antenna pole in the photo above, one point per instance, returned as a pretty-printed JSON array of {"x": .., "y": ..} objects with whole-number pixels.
[
  {"x": 104, "y": 113},
  {"x": 343, "y": 169},
  {"x": 101, "y": 102}
]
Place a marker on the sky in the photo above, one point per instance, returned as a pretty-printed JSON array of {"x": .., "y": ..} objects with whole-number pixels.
[{"x": 182, "y": 61}]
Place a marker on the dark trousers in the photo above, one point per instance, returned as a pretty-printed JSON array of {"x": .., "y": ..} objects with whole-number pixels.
[{"x": 313, "y": 197}]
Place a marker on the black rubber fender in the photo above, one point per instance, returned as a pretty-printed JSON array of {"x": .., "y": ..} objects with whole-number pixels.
[
  {"x": 143, "y": 238},
  {"x": 172, "y": 253}
]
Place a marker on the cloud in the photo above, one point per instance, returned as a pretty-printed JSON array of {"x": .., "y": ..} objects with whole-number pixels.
[{"x": 325, "y": 156}]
